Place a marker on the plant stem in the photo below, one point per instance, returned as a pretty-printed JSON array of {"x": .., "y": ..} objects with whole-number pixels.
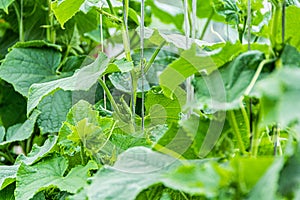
[
  {"x": 82, "y": 154},
  {"x": 20, "y": 19},
  {"x": 207, "y": 24},
  {"x": 152, "y": 59},
  {"x": 245, "y": 118},
  {"x": 255, "y": 77},
  {"x": 110, "y": 16},
  {"x": 236, "y": 131},
  {"x": 276, "y": 45},
  {"x": 50, "y": 30},
  {"x": 111, "y": 8},
  {"x": 7, "y": 157},
  {"x": 109, "y": 95}
]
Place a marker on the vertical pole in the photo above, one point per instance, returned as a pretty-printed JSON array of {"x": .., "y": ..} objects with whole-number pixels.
[{"x": 142, "y": 29}]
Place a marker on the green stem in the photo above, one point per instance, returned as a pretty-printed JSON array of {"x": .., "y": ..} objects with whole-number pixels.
[
  {"x": 109, "y": 95},
  {"x": 110, "y": 16},
  {"x": 245, "y": 118},
  {"x": 83, "y": 162},
  {"x": 7, "y": 157},
  {"x": 154, "y": 55},
  {"x": 236, "y": 131},
  {"x": 64, "y": 59},
  {"x": 20, "y": 19},
  {"x": 111, "y": 8},
  {"x": 276, "y": 45},
  {"x": 242, "y": 31},
  {"x": 207, "y": 24},
  {"x": 255, "y": 77}
]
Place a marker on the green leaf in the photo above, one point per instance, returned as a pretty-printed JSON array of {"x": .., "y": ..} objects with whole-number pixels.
[
  {"x": 167, "y": 12},
  {"x": 190, "y": 63},
  {"x": 289, "y": 181},
  {"x": 83, "y": 126},
  {"x": 24, "y": 66},
  {"x": 50, "y": 172},
  {"x": 122, "y": 83},
  {"x": 90, "y": 135},
  {"x": 292, "y": 26},
  {"x": 279, "y": 97},
  {"x": 267, "y": 186},
  {"x": 136, "y": 169},
  {"x": 8, "y": 192},
  {"x": 54, "y": 108},
  {"x": 65, "y": 10},
  {"x": 161, "y": 109},
  {"x": 158, "y": 37},
  {"x": 176, "y": 142},
  {"x": 7, "y": 175},
  {"x": 229, "y": 9},
  {"x": 38, "y": 152},
  {"x": 224, "y": 88},
  {"x": 4, "y": 4},
  {"x": 248, "y": 171},
  {"x": 20, "y": 132},
  {"x": 121, "y": 65},
  {"x": 83, "y": 79},
  {"x": 195, "y": 179}
]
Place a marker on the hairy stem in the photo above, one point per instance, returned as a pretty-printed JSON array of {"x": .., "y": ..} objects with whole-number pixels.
[
  {"x": 236, "y": 131},
  {"x": 109, "y": 95}
]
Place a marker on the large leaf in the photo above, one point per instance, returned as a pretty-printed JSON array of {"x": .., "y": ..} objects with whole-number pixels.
[
  {"x": 138, "y": 168},
  {"x": 267, "y": 186},
  {"x": 83, "y": 79},
  {"x": 289, "y": 182},
  {"x": 178, "y": 40},
  {"x": 21, "y": 132},
  {"x": 54, "y": 108},
  {"x": 24, "y": 66},
  {"x": 83, "y": 126},
  {"x": 38, "y": 152},
  {"x": 50, "y": 172},
  {"x": 8, "y": 173},
  {"x": 4, "y": 4},
  {"x": 224, "y": 88},
  {"x": 161, "y": 109},
  {"x": 190, "y": 63},
  {"x": 279, "y": 97},
  {"x": 292, "y": 26},
  {"x": 65, "y": 10}
]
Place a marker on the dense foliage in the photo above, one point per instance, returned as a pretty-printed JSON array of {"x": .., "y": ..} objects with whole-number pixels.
[{"x": 94, "y": 105}]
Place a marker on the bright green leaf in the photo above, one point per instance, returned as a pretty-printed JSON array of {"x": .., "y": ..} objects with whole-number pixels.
[
  {"x": 38, "y": 152},
  {"x": 50, "y": 172},
  {"x": 194, "y": 179},
  {"x": 161, "y": 109},
  {"x": 83, "y": 79},
  {"x": 267, "y": 186},
  {"x": 24, "y": 66},
  {"x": 190, "y": 63},
  {"x": 4, "y": 4},
  {"x": 65, "y": 10},
  {"x": 7, "y": 175},
  {"x": 224, "y": 88},
  {"x": 21, "y": 132}
]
